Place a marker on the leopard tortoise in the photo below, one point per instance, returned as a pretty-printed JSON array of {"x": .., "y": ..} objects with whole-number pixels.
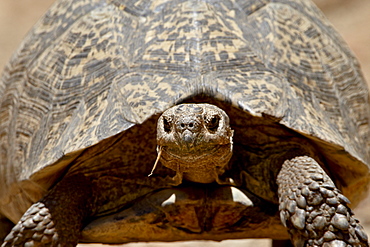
[{"x": 264, "y": 131}]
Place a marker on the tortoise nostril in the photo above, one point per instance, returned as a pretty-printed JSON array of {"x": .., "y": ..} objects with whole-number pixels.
[{"x": 187, "y": 124}]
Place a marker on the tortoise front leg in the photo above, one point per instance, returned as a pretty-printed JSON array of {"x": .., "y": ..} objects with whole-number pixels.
[
  {"x": 57, "y": 219},
  {"x": 313, "y": 209}
]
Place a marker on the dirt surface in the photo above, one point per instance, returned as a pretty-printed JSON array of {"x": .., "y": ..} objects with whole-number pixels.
[{"x": 350, "y": 17}]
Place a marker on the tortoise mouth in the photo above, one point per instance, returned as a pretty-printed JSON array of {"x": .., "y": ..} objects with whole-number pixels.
[
  {"x": 204, "y": 166},
  {"x": 194, "y": 153},
  {"x": 187, "y": 212}
]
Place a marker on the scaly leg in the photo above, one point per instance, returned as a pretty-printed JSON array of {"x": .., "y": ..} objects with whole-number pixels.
[
  {"x": 57, "y": 219},
  {"x": 313, "y": 209}
]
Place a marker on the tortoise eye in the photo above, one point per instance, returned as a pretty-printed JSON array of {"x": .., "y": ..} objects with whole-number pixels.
[
  {"x": 166, "y": 125},
  {"x": 213, "y": 123}
]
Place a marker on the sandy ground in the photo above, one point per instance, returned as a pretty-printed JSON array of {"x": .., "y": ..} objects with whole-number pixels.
[{"x": 350, "y": 17}]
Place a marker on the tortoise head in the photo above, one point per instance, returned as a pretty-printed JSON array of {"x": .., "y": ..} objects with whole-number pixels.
[{"x": 195, "y": 140}]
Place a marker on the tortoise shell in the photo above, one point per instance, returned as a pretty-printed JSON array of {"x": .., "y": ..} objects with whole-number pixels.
[{"x": 93, "y": 72}]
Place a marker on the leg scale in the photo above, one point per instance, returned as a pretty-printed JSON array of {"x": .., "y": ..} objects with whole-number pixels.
[
  {"x": 313, "y": 209},
  {"x": 57, "y": 219},
  {"x": 35, "y": 228}
]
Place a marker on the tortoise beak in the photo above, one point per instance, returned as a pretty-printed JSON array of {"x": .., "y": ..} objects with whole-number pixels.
[{"x": 188, "y": 139}]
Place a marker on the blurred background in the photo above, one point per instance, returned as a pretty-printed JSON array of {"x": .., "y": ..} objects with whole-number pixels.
[{"x": 350, "y": 17}]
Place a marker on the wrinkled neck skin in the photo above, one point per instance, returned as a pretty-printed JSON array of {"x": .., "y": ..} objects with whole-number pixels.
[{"x": 199, "y": 167}]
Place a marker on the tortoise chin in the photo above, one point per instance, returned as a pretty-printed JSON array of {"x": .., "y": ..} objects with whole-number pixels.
[{"x": 203, "y": 167}]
